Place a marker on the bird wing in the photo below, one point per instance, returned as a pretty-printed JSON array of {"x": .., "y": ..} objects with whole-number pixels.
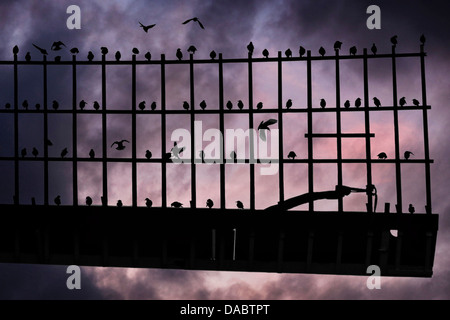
[
  {"x": 270, "y": 122},
  {"x": 200, "y": 24},
  {"x": 188, "y": 20},
  {"x": 125, "y": 141},
  {"x": 262, "y": 134},
  {"x": 115, "y": 142},
  {"x": 141, "y": 24}
]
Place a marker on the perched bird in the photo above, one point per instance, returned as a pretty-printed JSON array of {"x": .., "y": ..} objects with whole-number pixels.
[
  {"x": 8, "y": 105},
  {"x": 148, "y": 202},
  {"x": 185, "y": 105},
  {"x": 90, "y": 56},
  {"x": 233, "y": 156},
  {"x": 104, "y": 50},
  {"x": 201, "y": 154},
  {"x": 57, "y": 45},
  {"x": 212, "y": 55},
  {"x": 240, "y": 104},
  {"x": 382, "y": 155},
  {"x": 422, "y": 39},
  {"x": 301, "y": 51},
  {"x": 353, "y": 51},
  {"x": 92, "y": 154},
  {"x": 347, "y": 104},
  {"x": 25, "y": 104},
  {"x": 407, "y": 154},
  {"x": 265, "y": 53},
  {"x": 263, "y": 126},
  {"x": 58, "y": 58},
  {"x": 16, "y": 49},
  {"x": 411, "y": 208},
  {"x": 358, "y": 102},
  {"x": 337, "y": 45},
  {"x": 88, "y": 201},
  {"x": 118, "y": 55},
  {"x": 146, "y": 28},
  {"x": 38, "y": 106},
  {"x": 141, "y": 105},
  {"x": 23, "y": 152},
  {"x": 323, "y": 103},
  {"x": 74, "y": 51},
  {"x": 96, "y": 105},
  {"x": 119, "y": 203},
  {"x": 64, "y": 152},
  {"x": 179, "y": 54},
  {"x": 203, "y": 105},
  {"x": 402, "y": 101},
  {"x": 153, "y": 105},
  {"x": 394, "y": 41},
  {"x": 148, "y": 56},
  {"x": 259, "y": 105},
  {"x": 192, "y": 49},
  {"x": 148, "y": 154},
  {"x": 250, "y": 48},
  {"x": 289, "y": 104},
  {"x": 288, "y": 53},
  {"x": 195, "y": 19},
  {"x": 377, "y": 102},
  {"x": 176, "y": 150},
  {"x": 322, "y": 51},
  {"x": 57, "y": 200},
  {"x": 291, "y": 155},
  {"x": 55, "y": 105},
  {"x": 135, "y": 51},
  {"x": 35, "y": 152},
  {"x": 28, "y": 57},
  {"x": 416, "y": 102},
  {"x": 176, "y": 204},
  {"x": 167, "y": 156},
  {"x": 229, "y": 105},
  {"x": 120, "y": 144},
  {"x": 239, "y": 204},
  {"x": 41, "y": 50},
  {"x": 209, "y": 203},
  {"x": 374, "y": 49}
]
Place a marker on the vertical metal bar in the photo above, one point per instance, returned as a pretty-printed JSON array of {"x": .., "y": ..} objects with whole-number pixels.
[
  {"x": 163, "y": 133},
  {"x": 16, "y": 133},
  {"x": 398, "y": 177},
  {"x": 46, "y": 202},
  {"x": 193, "y": 165},
  {"x": 428, "y": 208},
  {"x": 251, "y": 137},
  {"x": 310, "y": 129},
  {"x": 74, "y": 132},
  {"x": 280, "y": 131},
  {"x": 104, "y": 134},
  {"x": 338, "y": 131},
  {"x": 133, "y": 133},
  {"x": 367, "y": 130},
  {"x": 222, "y": 130}
]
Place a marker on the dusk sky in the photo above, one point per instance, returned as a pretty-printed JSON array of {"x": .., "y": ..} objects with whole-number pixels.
[{"x": 229, "y": 27}]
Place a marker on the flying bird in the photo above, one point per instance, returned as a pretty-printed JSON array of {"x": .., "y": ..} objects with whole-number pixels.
[
  {"x": 49, "y": 142},
  {"x": 148, "y": 202},
  {"x": 377, "y": 102},
  {"x": 119, "y": 203},
  {"x": 74, "y": 51},
  {"x": 416, "y": 102},
  {"x": 337, "y": 45},
  {"x": 229, "y": 105},
  {"x": 57, "y": 200},
  {"x": 88, "y": 201},
  {"x": 209, "y": 203},
  {"x": 90, "y": 56},
  {"x": 250, "y": 48},
  {"x": 192, "y": 49},
  {"x": 408, "y": 154},
  {"x": 259, "y": 105},
  {"x": 41, "y": 50},
  {"x": 265, "y": 53},
  {"x": 148, "y": 154},
  {"x": 118, "y": 55},
  {"x": 374, "y": 49},
  {"x": 35, "y": 152},
  {"x": 104, "y": 50},
  {"x": 146, "y": 28},
  {"x": 322, "y": 51},
  {"x": 353, "y": 50},
  {"x": 176, "y": 204},
  {"x": 347, "y": 104},
  {"x": 176, "y": 150},
  {"x": 288, "y": 53},
  {"x": 203, "y": 105},
  {"x": 394, "y": 41},
  {"x": 185, "y": 105},
  {"x": 64, "y": 152},
  {"x": 148, "y": 56},
  {"x": 422, "y": 39},
  {"x": 96, "y": 105},
  {"x": 289, "y": 104},
  {"x": 212, "y": 55},
  {"x": 55, "y": 104},
  {"x": 411, "y": 208},
  {"x": 28, "y": 57},
  {"x": 239, "y": 204},
  {"x": 179, "y": 54},
  {"x": 263, "y": 126},
  {"x": 323, "y": 103},
  {"x": 120, "y": 144},
  {"x": 240, "y": 104},
  {"x": 135, "y": 51},
  {"x": 153, "y": 105},
  {"x": 57, "y": 45},
  {"x": 291, "y": 155},
  {"x": 195, "y": 19},
  {"x": 402, "y": 101},
  {"x": 16, "y": 49},
  {"x": 382, "y": 155},
  {"x": 358, "y": 102},
  {"x": 301, "y": 51},
  {"x": 141, "y": 105}
]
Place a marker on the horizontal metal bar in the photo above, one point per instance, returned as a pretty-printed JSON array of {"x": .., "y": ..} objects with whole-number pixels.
[{"x": 342, "y": 135}]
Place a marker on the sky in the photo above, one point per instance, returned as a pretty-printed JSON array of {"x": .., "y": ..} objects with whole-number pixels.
[{"x": 229, "y": 27}]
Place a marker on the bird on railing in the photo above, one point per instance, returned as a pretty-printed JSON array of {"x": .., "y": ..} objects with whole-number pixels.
[
  {"x": 422, "y": 39},
  {"x": 301, "y": 51},
  {"x": 213, "y": 55},
  {"x": 288, "y": 53},
  {"x": 201, "y": 154},
  {"x": 141, "y": 105},
  {"x": 148, "y": 56},
  {"x": 135, "y": 51},
  {"x": 176, "y": 204},
  {"x": 411, "y": 208},
  {"x": 28, "y": 57},
  {"x": 146, "y": 28},
  {"x": 192, "y": 49},
  {"x": 358, "y": 102},
  {"x": 239, "y": 204},
  {"x": 104, "y": 50},
  {"x": 15, "y": 49},
  {"x": 58, "y": 58},
  {"x": 265, "y": 53},
  {"x": 41, "y": 50},
  {"x": 55, "y": 105},
  {"x": 35, "y": 152},
  {"x": 229, "y": 105},
  {"x": 323, "y": 103},
  {"x": 179, "y": 54},
  {"x": 347, "y": 104},
  {"x": 292, "y": 155},
  {"x": 23, "y": 152},
  {"x": 240, "y": 104},
  {"x": 195, "y": 19},
  {"x": 209, "y": 203},
  {"x": 88, "y": 201},
  {"x": 289, "y": 104},
  {"x": 120, "y": 144},
  {"x": 57, "y": 200},
  {"x": 56, "y": 46},
  {"x": 96, "y": 105},
  {"x": 176, "y": 150},
  {"x": 7, "y": 105},
  {"x": 382, "y": 155},
  {"x": 250, "y": 48},
  {"x": 322, "y": 51},
  {"x": 82, "y": 104},
  {"x": 353, "y": 50},
  {"x": 153, "y": 105},
  {"x": 203, "y": 105},
  {"x": 148, "y": 202},
  {"x": 394, "y": 41},
  {"x": 374, "y": 49},
  {"x": 119, "y": 203},
  {"x": 337, "y": 45},
  {"x": 402, "y": 101},
  {"x": 74, "y": 50},
  {"x": 233, "y": 156},
  {"x": 259, "y": 106},
  {"x": 263, "y": 126},
  {"x": 167, "y": 156},
  {"x": 64, "y": 152},
  {"x": 185, "y": 105},
  {"x": 90, "y": 56},
  {"x": 92, "y": 154},
  {"x": 118, "y": 56},
  {"x": 148, "y": 154},
  {"x": 38, "y": 106},
  {"x": 416, "y": 102},
  {"x": 25, "y": 104},
  {"x": 377, "y": 102},
  {"x": 407, "y": 154}
]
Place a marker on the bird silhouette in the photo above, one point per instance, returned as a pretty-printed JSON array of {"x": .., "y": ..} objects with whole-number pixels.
[
  {"x": 411, "y": 208},
  {"x": 192, "y": 49},
  {"x": 41, "y": 50},
  {"x": 64, "y": 152},
  {"x": 212, "y": 55},
  {"x": 407, "y": 154},
  {"x": 394, "y": 41},
  {"x": 402, "y": 101},
  {"x": 377, "y": 102},
  {"x": 141, "y": 105},
  {"x": 120, "y": 144},
  {"x": 185, "y": 105},
  {"x": 104, "y": 50},
  {"x": 25, "y": 104},
  {"x": 250, "y": 48},
  {"x": 49, "y": 143},
  {"x": 7, "y": 105},
  {"x": 239, "y": 204},
  {"x": 146, "y": 28},
  {"x": 289, "y": 104},
  {"x": 55, "y": 105},
  {"x": 195, "y": 19},
  {"x": 38, "y": 106},
  {"x": 347, "y": 104},
  {"x": 179, "y": 54},
  {"x": 240, "y": 104},
  {"x": 167, "y": 156},
  {"x": 58, "y": 58},
  {"x": 118, "y": 56},
  {"x": 323, "y": 103},
  {"x": 416, "y": 102},
  {"x": 56, "y": 46},
  {"x": 233, "y": 156},
  {"x": 92, "y": 154},
  {"x": 96, "y": 105},
  {"x": 209, "y": 203},
  {"x": 201, "y": 154},
  {"x": 35, "y": 152},
  {"x": 374, "y": 49},
  {"x": 153, "y": 105},
  {"x": 176, "y": 204},
  {"x": 422, "y": 39},
  {"x": 148, "y": 202},
  {"x": 337, "y": 45},
  {"x": 382, "y": 155},
  {"x": 288, "y": 53},
  {"x": 259, "y": 106},
  {"x": 119, "y": 203},
  {"x": 265, "y": 53},
  {"x": 90, "y": 56},
  {"x": 135, "y": 51},
  {"x": 88, "y": 201},
  {"x": 229, "y": 105},
  {"x": 291, "y": 155},
  {"x": 358, "y": 102},
  {"x": 57, "y": 200},
  {"x": 74, "y": 51},
  {"x": 148, "y": 154},
  {"x": 353, "y": 50},
  {"x": 176, "y": 150},
  {"x": 148, "y": 56},
  {"x": 322, "y": 51},
  {"x": 28, "y": 57},
  {"x": 301, "y": 51},
  {"x": 203, "y": 105},
  {"x": 15, "y": 49},
  {"x": 23, "y": 152},
  {"x": 263, "y": 126}
]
